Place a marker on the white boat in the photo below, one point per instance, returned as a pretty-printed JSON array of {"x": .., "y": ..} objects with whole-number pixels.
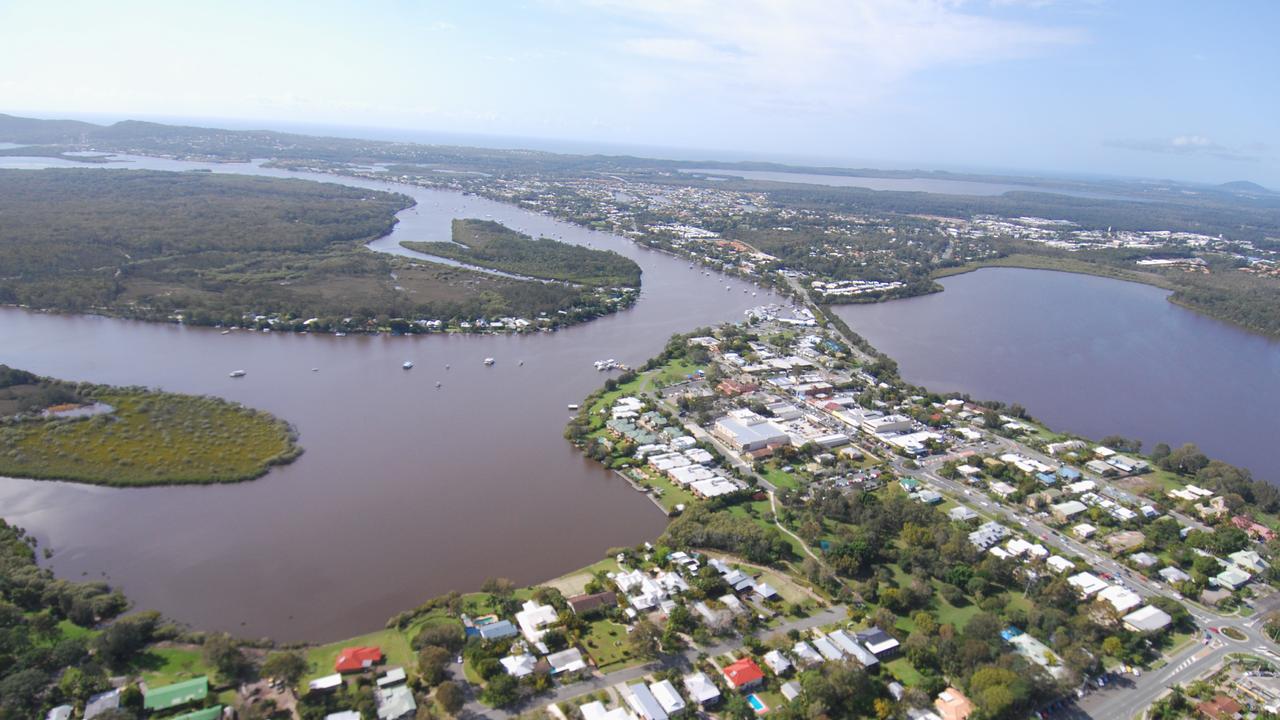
[
  {"x": 573, "y": 406},
  {"x": 489, "y": 361},
  {"x": 339, "y": 334},
  {"x": 408, "y": 365},
  {"x": 237, "y": 373},
  {"x": 226, "y": 332},
  {"x": 438, "y": 383}
]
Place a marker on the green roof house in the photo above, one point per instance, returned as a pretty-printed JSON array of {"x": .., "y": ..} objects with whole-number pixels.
[
  {"x": 212, "y": 713},
  {"x": 177, "y": 694}
]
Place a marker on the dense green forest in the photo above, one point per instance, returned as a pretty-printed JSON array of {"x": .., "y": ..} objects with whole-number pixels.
[
  {"x": 132, "y": 436},
  {"x": 488, "y": 244},
  {"x": 223, "y": 249}
]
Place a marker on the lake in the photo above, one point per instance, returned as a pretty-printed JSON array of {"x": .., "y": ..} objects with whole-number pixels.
[
  {"x": 941, "y": 186},
  {"x": 1090, "y": 355},
  {"x": 404, "y": 491}
]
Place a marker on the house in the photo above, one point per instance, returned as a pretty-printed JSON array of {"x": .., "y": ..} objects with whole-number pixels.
[
  {"x": 1248, "y": 561},
  {"x": 566, "y": 661},
  {"x": 877, "y": 641},
  {"x": 1087, "y": 584},
  {"x": 790, "y": 690},
  {"x": 827, "y": 649},
  {"x": 1233, "y": 578},
  {"x": 1084, "y": 531},
  {"x": 1063, "y": 512},
  {"x": 960, "y": 513},
  {"x": 667, "y": 695},
  {"x": 534, "y": 619},
  {"x": 168, "y": 697},
  {"x": 1144, "y": 559},
  {"x": 1147, "y": 619},
  {"x": 1122, "y": 599},
  {"x": 852, "y": 647},
  {"x": 805, "y": 655},
  {"x": 701, "y": 689},
  {"x": 326, "y": 683},
  {"x": 1059, "y": 564},
  {"x": 743, "y": 674},
  {"x": 498, "y": 630},
  {"x": 1002, "y": 489},
  {"x": 644, "y": 703},
  {"x": 102, "y": 702},
  {"x": 1220, "y": 707},
  {"x": 209, "y": 713},
  {"x": 777, "y": 662},
  {"x": 587, "y": 604},
  {"x": 988, "y": 534},
  {"x": 595, "y": 711},
  {"x": 1173, "y": 575},
  {"x": 356, "y": 659},
  {"x": 953, "y": 705},
  {"x": 395, "y": 702},
  {"x": 394, "y": 676},
  {"x": 62, "y": 712},
  {"x": 519, "y": 666}
]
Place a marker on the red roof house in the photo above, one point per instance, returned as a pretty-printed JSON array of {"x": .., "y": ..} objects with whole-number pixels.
[
  {"x": 743, "y": 674},
  {"x": 355, "y": 659}
]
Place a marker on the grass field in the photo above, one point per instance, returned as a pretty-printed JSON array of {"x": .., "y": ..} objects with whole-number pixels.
[
  {"x": 904, "y": 672},
  {"x": 168, "y": 665},
  {"x": 150, "y": 438},
  {"x": 606, "y": 642}
]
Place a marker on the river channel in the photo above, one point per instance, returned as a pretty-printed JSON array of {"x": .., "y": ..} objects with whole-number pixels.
[
  {"x": 405, "y": 491},
  {"x": 1090, "y": 355}
]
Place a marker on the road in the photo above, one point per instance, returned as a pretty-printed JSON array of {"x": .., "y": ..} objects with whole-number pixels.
[{"x": 684, "y": 661}]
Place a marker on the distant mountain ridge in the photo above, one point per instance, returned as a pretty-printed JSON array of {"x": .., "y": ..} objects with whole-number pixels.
[{"x": 1246, "y": 186}]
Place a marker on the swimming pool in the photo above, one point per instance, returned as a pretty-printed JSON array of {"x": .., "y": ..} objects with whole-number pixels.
[{"x": 757, "y": 704}]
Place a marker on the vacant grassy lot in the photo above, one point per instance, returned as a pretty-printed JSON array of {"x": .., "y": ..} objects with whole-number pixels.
[
  {"x": 167, "y": 665},
  {"x": 606, "y": 642},
  {"x": 150, "y": 438}
]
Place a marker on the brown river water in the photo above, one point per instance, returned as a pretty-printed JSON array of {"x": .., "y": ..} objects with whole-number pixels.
[{"x": 405, "y": 491}]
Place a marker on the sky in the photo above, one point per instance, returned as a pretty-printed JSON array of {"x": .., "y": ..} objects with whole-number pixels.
[{"x": 1138, "y": 88}]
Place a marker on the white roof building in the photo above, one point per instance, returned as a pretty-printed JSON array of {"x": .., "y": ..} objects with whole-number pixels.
[
  {"x": 534, "y": 618},
  {"x": 1087, "y": 584},
  {"x": 1122, "y": 599},
  {"x": 777, "y": 662},
  {"x": 701, "y": 689},
  {"x": 1148, "y": 619},
  {"x": 667, "y": 695},
  {"x": 519, "y": 665},
  {"x": 595, "y": 711},
  {"x": 1059, "y": 564}
]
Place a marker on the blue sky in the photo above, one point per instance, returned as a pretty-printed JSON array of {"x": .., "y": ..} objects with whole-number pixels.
[{"x": 1176, "y": 89}]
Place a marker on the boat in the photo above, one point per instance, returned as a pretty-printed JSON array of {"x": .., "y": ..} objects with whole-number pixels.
[
  {"x": 237, "y": 373},
  {"x": 438, "y": 384},
  {"x": 315, "y": 369},
  {"x": 408, "y": 365},
  {"x": 226, "y": 332},
  {"x": 489, "y": 361},
  {"x": 339, "y": 334},
  {"x": 446, "y": 367},
  {"x": 521, "y": 363},
  {"x": 573, "y": 406}
]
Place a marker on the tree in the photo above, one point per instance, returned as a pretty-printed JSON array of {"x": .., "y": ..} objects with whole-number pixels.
[
  {"x": 225, "y": 656},
  {"x": 449, "y": 695},
  {"x": 448, "y": 635},
  {"x": 287, "y": 667},
  {"x": 1113, "y": 646},
  {"x": 501, "y": 690},
  {"x": 645, "y": 639},
  {"x": 432, "y": 661}
]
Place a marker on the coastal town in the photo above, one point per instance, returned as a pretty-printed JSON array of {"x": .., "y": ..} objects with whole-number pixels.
[{"x": 779, "y": 449}]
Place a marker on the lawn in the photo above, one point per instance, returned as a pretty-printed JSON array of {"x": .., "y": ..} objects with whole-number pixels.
[
  {"x": 781, "y": 480},
  {"x": 905, "y": 672},
  {"x": 606, "y": 643},
  {"x": 168, "y": 665},
  {"x": 394, "y": 644},
  {"x": 956, "y": 616}
]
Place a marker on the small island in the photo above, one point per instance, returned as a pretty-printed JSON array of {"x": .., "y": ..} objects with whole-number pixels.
[
  {"x": 487, "y": 244},
  {"x": 130, "y": 437}
]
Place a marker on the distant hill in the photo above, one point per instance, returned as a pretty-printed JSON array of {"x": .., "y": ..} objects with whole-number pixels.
[
  {"x": 35, "y": 131},
  {"x": 1245, "y": 186}
]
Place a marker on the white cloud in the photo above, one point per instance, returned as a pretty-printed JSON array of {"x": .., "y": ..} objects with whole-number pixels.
[{"x": 815, "y": 52}]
